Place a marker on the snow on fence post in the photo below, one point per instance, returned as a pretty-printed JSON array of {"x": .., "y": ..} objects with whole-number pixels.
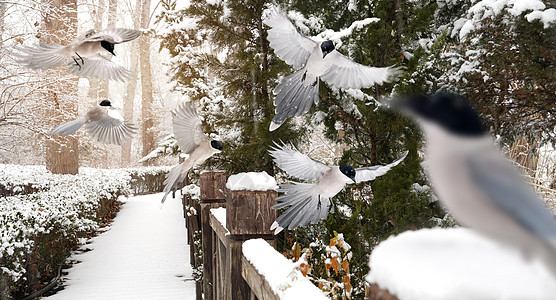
[
  {"x": 249, "y": 214},
  {"x": 212, "y": 194}
]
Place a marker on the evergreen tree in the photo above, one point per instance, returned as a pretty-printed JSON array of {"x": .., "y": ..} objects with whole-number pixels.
[
  {"x": 506, "y": 66},
  {"x": 224, "y": 62},
  {"x": 368, "y": 213}
]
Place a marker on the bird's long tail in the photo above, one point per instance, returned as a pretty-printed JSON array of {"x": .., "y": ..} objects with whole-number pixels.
[
  {"x": 294, "y": 96},
  {"x": 43, "y": 56},
  {"x": 68, "y": 127},
  {"x": 305, "y": 206},
  {"x": 176, "y": 175}
]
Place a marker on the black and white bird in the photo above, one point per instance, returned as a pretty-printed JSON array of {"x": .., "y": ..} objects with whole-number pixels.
[
  {"x": 480, "y": 187},
  {"x": 314, "y": 61},
  {"x": 312, "y": 202},
  {"x": 103, "y": 123},
  {"x": 83, "y": 55},
  {"x": 191, "y": 140}
]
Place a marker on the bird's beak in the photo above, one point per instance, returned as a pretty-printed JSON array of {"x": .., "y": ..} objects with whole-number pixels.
[
  {"x": 112, "y": 52},
  {"x": 324, "y": 54},
  {"x": 353, "y": 179}
]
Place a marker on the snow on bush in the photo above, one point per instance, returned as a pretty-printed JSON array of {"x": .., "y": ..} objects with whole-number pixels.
[
  {"x": 328, "y": 266},
  {"x": 456, "y": 263},
  {"x": 43, "y": 216}
]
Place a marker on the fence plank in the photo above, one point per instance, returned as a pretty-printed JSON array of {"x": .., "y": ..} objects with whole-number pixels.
[
  {"x": 259, "y": 286},
  {"x": 250, "y": 212},
  {"x": 213, "y": 186}
]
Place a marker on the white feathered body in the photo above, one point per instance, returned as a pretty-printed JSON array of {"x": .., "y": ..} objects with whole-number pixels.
[
  {"x": 448, "y": 166},
  {"x": 316, "y": 65},
  {"x": 84, "y": 49},
  {"x": 331, "y": 183}
]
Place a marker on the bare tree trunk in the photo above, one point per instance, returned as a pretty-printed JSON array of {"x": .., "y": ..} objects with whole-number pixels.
[
  {"x": 146, "y": 83},
  {"x": 104, "y": 87},
  {"x": 62, "y": 155},
  {"x": 131, "y": 87},
  {"x": 94, "y": 83},
  {"x": 2, "y": 11}
]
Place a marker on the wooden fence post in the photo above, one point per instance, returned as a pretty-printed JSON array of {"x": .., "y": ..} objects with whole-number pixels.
[
  {"x": 249, "y": 214},
  {"x": 213, "y": 187}
]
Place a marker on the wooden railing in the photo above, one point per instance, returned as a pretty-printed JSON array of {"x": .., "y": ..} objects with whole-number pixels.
[{"x": 227, "y": 273}]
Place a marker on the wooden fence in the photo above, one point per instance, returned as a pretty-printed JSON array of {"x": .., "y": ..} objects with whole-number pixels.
[{"x": 227, "y": 274}]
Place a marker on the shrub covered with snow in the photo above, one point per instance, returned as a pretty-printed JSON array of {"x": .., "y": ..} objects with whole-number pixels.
[
  {"x": 44, "y": 216},
  {"x": 327, "y": 265}
]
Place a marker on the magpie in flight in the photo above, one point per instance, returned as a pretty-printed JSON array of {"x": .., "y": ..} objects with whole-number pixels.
[
  {"x": 191, "y": 140},
  {"x": 83, "y": 55},
  {"x": 314, "y": 61},
  {"x": 103, "y": 123},
  {"x": 312, "y": 202},
  {"x": 476, "y": 182}
]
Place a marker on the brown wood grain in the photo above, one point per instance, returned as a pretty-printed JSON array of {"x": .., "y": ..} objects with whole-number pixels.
[
  {"x": 257, "y": 282},
  {"x": 213, "y": 186},
  {"x": 250, "y": 212}
]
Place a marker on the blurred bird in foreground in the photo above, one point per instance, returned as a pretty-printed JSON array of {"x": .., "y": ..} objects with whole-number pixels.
[
  {"x": 103, "y": 123},
  {"x": 84, "y": 54},
  {"x": 191, "y": 140},
  {"x": 476, "y": 182},
  {"x": 314, "y": 61},
  {"x": 312, "y": 202}
]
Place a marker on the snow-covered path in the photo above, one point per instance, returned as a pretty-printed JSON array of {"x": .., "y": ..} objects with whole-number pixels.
[{"x": 144, "y": 255}]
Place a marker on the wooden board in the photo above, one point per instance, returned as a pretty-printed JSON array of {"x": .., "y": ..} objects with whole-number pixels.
[
  {"x": 213, "y": 186},
  {"x": 258, "y": 284},
  {"x": 250, "y": 212}
]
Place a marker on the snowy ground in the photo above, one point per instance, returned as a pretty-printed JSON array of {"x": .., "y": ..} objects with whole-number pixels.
[{"x": 144, "y": 255}]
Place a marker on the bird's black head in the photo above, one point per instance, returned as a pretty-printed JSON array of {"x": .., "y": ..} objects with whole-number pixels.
[
  {"x": 216, "y": 145},
  {"x": 447, "y": 110},
  {"x": 349, "y": 171},
  {"x": 105, "y": 103},
  {"x": 326, "y": 47},
  {"x": 108, "y": 46}
]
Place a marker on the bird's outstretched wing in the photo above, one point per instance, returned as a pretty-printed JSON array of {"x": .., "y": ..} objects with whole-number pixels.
[
  {"x": 370, "y": 173},
  {"x": 347, "y": 74},
  {"x": 99, "y": 67},
  {"x": 305, "y": 206},
  {"x": 287, "y": 42},
  {"x": 503, "y": 185},
  {"x": 297, "y": 164},
  {"x": 113, "y": 35},
  {"x": 110, "y": 130},
  {"x": 187, "y": 127},
  {"x": 42, "y": 56}
]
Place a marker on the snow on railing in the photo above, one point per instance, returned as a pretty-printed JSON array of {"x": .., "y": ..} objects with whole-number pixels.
[{"x": 455, "y": 263}]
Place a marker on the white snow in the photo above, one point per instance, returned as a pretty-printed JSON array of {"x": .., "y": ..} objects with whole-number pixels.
[
  {"x": 220, "y": 215},
  {"x": 547, "y": 17},
  {"x": 456, "y": 263},
  {"x": 330, "y": 34},
  {"x": 144, "y": 255},
  {"x": 251, "y": 181},
  {"x": 484, "y": 9},
  {"x": 284, "y": 278}
]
